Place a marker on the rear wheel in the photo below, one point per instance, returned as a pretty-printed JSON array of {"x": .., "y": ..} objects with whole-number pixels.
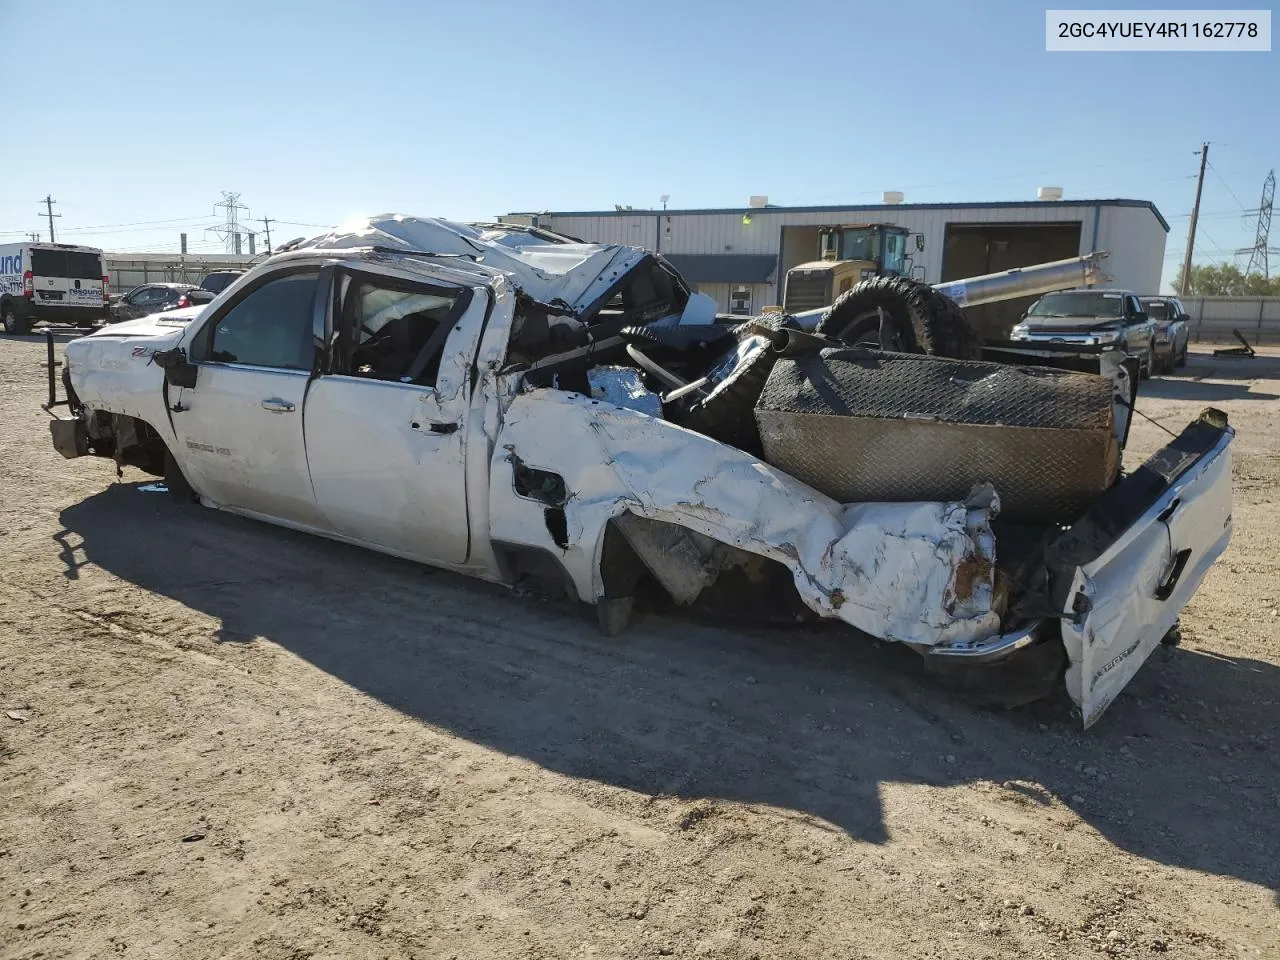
[
  {"x": 12, "y": 322},
  {"x": 1025, "y": 676},
  {"x": 1182, "y": 357}
]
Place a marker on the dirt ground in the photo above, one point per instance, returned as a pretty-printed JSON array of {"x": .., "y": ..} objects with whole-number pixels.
[{"x": 222, "y": 739}]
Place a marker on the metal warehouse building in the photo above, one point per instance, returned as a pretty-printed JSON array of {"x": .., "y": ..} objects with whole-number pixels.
[{"x": 741, "y": 256}]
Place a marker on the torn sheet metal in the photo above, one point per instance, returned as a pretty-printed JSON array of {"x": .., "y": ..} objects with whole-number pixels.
[
  {"x": 624, "y": 387},
  {"x": 920, "y": 573}
]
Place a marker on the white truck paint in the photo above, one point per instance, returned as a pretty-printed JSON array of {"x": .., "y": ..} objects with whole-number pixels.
[{"x": 431, "y": 472}]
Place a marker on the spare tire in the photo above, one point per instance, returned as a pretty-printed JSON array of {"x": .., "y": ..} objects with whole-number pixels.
[
  {"x": 726, "y": 413},
  {"x": 921, "y": 320}
]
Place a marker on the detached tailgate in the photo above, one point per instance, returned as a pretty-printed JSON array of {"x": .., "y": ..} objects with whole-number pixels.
[{"x": 1121, "y": 574}]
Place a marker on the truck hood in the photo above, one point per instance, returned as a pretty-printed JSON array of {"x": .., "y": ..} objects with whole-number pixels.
[
  {"x": 1069, "y": 324},
  {"x": 570, "y": 274},
  {"x": 153, "y": 325},
  {"x": 120, "y": 346}
]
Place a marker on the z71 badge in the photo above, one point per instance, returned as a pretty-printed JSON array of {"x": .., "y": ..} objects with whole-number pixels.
[{"x": 143, "y": 351}]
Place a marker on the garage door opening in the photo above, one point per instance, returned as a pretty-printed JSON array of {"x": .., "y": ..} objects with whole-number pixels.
[{"x": 974, "y": 249}]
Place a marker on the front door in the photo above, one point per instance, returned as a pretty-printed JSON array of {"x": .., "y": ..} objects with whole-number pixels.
[
  {"x": 239, "y": 430},
  {"x": 386, "y": 429}
]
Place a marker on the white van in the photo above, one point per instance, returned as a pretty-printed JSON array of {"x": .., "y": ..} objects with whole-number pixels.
[{"x": 53, "y": 283}]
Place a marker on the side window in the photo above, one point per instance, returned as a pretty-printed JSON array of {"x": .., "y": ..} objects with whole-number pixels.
[
  {"x": 269, "y": 327},
  {"x": 396, "y": 331},
  {"x": 1134, "y": 309}
]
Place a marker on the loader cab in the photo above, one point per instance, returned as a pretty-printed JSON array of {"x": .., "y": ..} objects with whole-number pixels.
[
  {"x": 847, "y": 255},
  {"x": 880, "y": 247}
]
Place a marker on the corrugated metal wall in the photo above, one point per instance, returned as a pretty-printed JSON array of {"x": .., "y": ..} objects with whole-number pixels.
[{"x": 1133, "y": 235}]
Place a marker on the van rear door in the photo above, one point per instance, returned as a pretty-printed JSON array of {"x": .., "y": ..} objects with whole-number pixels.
[{"x": 67, "y": 278}]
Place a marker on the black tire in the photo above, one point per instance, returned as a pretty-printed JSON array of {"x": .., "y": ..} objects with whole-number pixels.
[
  {"x": 923, "y": 320},
  {"x": 14, "y": 324},
  {"x": 1182, "y": 358},
  {"x": 1027, "y": 675},
  {"x": 727, "y": 413},
  {"x": 1144, "y": 370},
  {"x": 180, "y": 491}
]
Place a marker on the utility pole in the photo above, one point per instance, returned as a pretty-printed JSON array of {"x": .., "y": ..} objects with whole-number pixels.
[
  {"x": 35, "y": 237},
  {"x": 1191, "y": 231},
  {"x": 266, "y": 228},
  {"x": 48, "y": 206}
]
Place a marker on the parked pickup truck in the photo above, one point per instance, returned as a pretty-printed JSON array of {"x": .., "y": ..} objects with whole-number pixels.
[
  {"x": 502, "y": 402},
  {"x": 1092, "y": 317}
]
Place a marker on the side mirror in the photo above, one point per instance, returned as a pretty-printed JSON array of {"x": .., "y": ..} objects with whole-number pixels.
[{"x": 178, "y": 372}]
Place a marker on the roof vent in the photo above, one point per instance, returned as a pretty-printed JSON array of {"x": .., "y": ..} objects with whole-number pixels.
[
  {"x": 758, "y": 202},
  {"x": 1049, "y": 193},
  {"x": 893, "y": 196}
]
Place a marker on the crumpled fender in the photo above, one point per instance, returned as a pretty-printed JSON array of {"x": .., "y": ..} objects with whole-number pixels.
[{"x": 919, "y": 573}]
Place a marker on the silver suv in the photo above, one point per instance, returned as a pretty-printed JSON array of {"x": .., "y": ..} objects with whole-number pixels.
[{"x": 1092, "y": 317}]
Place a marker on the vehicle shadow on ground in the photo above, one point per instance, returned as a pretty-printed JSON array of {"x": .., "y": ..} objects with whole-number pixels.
[
  {"x": 1182, "y": 770},
  {"x": 1206, "y": 391}
]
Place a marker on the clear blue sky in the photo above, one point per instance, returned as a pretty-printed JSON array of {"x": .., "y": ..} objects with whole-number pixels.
[{"x": 315, "y": 112}]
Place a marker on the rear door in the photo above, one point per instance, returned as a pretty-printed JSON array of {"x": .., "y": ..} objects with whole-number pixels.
[
  {"x": 1139, "y": 555},
  {"x": 67, "y": 278},
  {"x": 239, "y": 430}
]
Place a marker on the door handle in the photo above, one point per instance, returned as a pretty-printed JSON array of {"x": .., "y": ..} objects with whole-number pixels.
[
  {"x": 276, "y": 405},
  {"x": 1165, "y": 590}
]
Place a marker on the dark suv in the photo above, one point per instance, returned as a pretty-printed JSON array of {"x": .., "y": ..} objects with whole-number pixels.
[
  {"x": 1093, "y": 317},
  {"x": 219, "y": 280}
]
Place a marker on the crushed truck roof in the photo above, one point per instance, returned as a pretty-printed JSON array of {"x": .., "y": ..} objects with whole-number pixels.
[{"x": 547, "y": 267}]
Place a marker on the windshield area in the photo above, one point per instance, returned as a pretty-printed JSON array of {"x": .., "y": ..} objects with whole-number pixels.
[
  {"x": 1156, "y": 309},
  {"x": 1082, "y": 304},
  {"x": 860, "y": 244}
]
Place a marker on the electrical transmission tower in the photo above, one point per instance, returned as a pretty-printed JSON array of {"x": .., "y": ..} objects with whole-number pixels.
[
  {"x": 1259, "y": 256},
  {"x": 229, "y": 230}
]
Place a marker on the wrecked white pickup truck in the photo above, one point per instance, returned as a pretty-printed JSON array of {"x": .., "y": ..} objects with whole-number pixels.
[{"x": 505, "y": 402}]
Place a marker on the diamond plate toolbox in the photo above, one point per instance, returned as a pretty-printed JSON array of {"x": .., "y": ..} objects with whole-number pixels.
[{"x": 862, "y": 426}]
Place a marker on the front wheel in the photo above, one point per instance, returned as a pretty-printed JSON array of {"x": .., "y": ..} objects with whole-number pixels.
[{"x": 180, "y": 491}]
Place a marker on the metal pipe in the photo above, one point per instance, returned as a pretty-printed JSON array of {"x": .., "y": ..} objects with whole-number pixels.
[
  {"x": 1026, "y": 281},
  {"x": 1019, "y": 282}
]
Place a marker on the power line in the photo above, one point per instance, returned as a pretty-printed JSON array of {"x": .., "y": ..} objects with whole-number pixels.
[{"x": 1228, "y": 186}]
